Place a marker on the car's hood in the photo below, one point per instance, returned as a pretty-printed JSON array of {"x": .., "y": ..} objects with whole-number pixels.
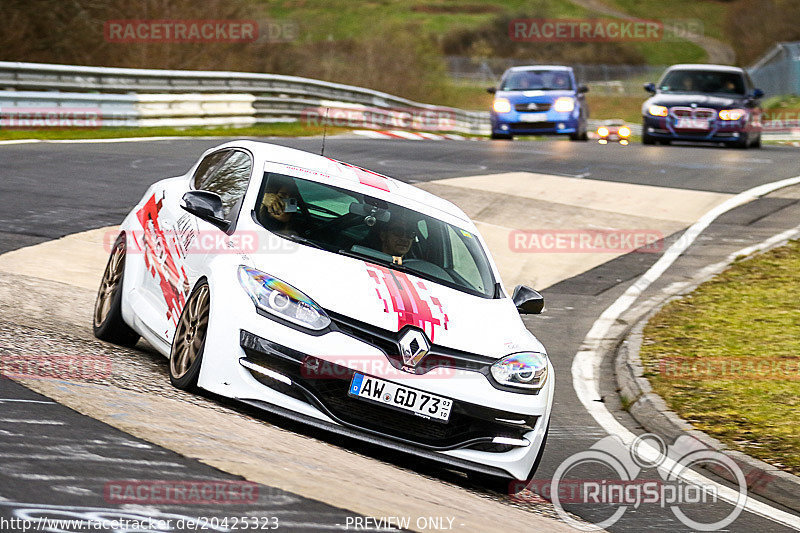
[
  {"x": 390, "y": 299},
  {"x": 702, "y": 100},
  {"x": 533, "y": 95}
]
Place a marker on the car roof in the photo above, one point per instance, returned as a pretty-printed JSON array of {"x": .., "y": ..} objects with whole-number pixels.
[
  {"x": 351, "y": 177},
  {"x": 539, "y": 67},
  {"x": 700, "y": 66}
]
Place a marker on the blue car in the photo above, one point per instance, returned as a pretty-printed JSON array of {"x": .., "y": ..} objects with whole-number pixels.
[
  {"x": 539, "y": 100},
  {"x": 703, "y": 103}
]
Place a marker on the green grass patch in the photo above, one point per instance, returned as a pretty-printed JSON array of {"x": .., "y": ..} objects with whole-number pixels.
[
  {"x": 710, "y": 14},
  {"x": 727, "y": 357},
  {"x": 278, "y": 129}
]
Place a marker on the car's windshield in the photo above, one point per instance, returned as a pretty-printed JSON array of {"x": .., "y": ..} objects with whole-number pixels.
[
  {"x": 543, "y": 80},
  {"x": 356, "y": 225},
  {"x": 702, "y": 81}
]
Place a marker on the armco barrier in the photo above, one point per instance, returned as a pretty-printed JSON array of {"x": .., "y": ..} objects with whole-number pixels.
[{"x": 159, "y": 95}]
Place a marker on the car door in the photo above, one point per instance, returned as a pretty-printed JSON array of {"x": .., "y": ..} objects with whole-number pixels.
[{"x": 169, "y": 240}]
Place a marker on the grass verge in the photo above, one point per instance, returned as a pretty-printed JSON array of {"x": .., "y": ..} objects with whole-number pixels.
[
  {"x": 727, "y": 357},
  {"x": 278, "y": 129}
]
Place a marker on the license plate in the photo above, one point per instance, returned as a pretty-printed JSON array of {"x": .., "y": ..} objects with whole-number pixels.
[
  {"x": 533, "y": 117},
  {"x": 692, "y": 124},
  {"x": 400, "y": 397}
]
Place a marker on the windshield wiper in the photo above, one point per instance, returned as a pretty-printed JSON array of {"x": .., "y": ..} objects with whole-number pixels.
[{"x": 301, "y": 240}]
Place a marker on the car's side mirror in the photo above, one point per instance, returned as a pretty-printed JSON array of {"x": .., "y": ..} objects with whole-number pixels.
[
  {"x": 206, "y": 205},
  {"x": 650, "y": 87},
  {"x": 491, "y": 90},
  {"x": 583, "y": 89},
  {"x": 757, "y": 93},
  {"x": 527, "y": 300}
]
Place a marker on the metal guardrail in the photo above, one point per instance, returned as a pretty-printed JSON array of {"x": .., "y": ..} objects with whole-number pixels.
[{"x": 274, "y": 97}]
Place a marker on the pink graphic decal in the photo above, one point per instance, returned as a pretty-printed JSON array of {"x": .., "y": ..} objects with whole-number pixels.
[
  {"x": 163, "y": 259},
  {"x": 410, "y": 301},
  {"x": 367, "y": 177}
]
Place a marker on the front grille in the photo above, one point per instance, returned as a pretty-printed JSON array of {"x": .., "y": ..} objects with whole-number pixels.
[
  {"x": 386, "y": 341},
  {"x": 468, "y": 426},
  {"x": 531, "y": 126},
  {"x": 532, "y": 107}
]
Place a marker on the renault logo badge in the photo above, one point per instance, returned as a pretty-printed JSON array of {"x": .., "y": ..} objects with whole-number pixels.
[{"x": 414, "y": 346}]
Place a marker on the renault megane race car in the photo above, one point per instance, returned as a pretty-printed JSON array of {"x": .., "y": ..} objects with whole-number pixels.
[
  {"x": 335, "y": 296},
  {"x": 708, "y": 103}
]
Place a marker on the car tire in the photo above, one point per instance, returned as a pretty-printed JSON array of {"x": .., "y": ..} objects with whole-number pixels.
[
  {"x": 107, "y": 322},
  {"x": 501, "y": 137},
  {"x": 757, "y": 142},
  {"x": 578, "y": 136},
  {"x": 646, "y": 139},
  {"x": 188, "y": 344}
]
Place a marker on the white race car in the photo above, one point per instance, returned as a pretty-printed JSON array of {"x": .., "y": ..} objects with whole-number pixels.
[{"x": 332, "y": 295}]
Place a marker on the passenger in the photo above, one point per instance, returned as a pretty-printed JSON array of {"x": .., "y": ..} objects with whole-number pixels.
[{"x": 275, "y": 211}]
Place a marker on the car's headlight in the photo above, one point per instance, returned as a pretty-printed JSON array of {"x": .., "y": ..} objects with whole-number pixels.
[
  {"x": 658, "y": 110},
  {"x": 624, "y": 131},
  {"x": 602, "y": 131},
  {"x": 501, "y": 105},
  {"x": 565, "y": 104},
  {"x": 731, "y": 114},
  {"x": 278, "y": 298},
  {"x": 526, "y": 370}
]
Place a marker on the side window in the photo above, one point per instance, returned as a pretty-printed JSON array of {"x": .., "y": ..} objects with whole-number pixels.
[
  {"x": 229, "y": 179},
  {"x": 206, "y": 168},
  {"x": 463, "y": 262}
]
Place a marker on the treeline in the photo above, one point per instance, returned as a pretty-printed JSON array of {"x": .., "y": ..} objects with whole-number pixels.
[
  {"x": 754, "y": 26},
  {"x": 392, "y": 59}
]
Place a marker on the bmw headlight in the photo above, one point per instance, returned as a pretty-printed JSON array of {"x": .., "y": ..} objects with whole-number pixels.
[
  {"x": 526, "y": 370},
  {"x": 565, "y": 104},
  {"x": 658, "y": 110},
  {"x": 273, "y": 296},
  {"x": 732, "y": 114}
]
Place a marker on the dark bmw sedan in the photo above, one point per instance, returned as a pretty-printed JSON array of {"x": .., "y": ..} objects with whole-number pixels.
[{"x": 706, "y": 103}]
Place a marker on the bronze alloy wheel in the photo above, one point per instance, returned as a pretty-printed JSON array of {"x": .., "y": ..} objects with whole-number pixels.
[
  {"x": 107, "y": 321},
  {"x": 112, "y": 278},
  {"x": 190, "y": 334}
]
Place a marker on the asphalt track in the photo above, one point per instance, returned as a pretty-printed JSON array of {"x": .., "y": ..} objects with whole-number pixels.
[{"x": 55, "y": 189}]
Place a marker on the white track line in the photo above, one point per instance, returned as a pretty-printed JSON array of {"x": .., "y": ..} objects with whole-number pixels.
[{"x": 586, "y": 364}]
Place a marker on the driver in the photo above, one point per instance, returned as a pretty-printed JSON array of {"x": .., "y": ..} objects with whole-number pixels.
[{"x": 397, "y": 238}]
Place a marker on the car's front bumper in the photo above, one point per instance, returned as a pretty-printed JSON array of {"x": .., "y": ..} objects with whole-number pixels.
[
  {"x": 554, "y": 123},
  {"x": 238, "y": 348},
  {"x": 663, "y": 128}
]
